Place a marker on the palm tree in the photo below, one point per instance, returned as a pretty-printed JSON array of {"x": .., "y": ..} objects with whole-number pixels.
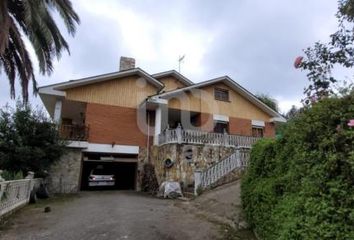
[{"x": 32, "y": 19}]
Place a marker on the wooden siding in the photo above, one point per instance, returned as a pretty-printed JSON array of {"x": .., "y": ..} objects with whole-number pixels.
[
  {"x": 124, "y": 92},
  {"x": 190, "y": 101},
  {"x": 171, "y": 83},
  {"x": 204, "y": 101}
]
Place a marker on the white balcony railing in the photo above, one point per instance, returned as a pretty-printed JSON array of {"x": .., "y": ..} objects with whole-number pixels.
[
  {"x": 206, "y": 178},
  {"x": 179, "y": 135}
]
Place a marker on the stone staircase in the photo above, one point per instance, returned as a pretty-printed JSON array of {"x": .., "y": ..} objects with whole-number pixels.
[{"x": 224, "y": 171}]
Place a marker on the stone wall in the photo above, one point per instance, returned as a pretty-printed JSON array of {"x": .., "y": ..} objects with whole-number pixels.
[
  {"x": 64, "y": 175},
  {"x": 186, "y": 159},
  {"x": 142, "y": 159}
]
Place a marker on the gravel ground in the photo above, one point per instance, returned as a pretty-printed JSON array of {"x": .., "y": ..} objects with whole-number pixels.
[{"x": 108, "y": 215}]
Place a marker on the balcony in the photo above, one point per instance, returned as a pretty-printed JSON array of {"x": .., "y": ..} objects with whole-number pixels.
[
  {"x": 179, "y": 135},
  {"x": 74, "y": 132}
]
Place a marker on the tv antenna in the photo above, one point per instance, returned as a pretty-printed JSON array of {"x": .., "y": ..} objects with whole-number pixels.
[{"x": 180, "y": 60}]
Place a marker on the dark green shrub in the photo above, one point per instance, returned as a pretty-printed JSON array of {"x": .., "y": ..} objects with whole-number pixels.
[
  {"x": 29, "y": 141},
  {"x": 12, "y": 175},
  {"x": 301, "y": 186}
]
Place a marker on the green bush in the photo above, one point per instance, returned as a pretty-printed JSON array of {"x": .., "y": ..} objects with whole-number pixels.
[
  {"x": 28, "y": 141},
  {"x": 301, "y": 186},
  {"x": 12, "y": 175}
]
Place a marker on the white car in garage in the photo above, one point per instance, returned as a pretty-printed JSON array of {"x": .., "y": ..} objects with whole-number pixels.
[{"x": 100, "y": 177}]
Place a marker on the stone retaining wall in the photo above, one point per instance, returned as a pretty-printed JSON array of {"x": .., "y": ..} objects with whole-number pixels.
[
  {"x": 64, "y": 175},
  {"x": 186, "y": 159}
]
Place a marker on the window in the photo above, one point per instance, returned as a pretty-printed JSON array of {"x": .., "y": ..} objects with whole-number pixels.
[
  {"x": 221, "y": 94},
  {"x": 257, "y": 131},
  {"x": 220, "y": 127}
]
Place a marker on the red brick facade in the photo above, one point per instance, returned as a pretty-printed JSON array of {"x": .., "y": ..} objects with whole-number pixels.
[
  {"x": 269, "y": 130},
  {"x": 113, "y": 125},
  {"x": 240, "y": 126},
  {"x": 118, "y": 125}
]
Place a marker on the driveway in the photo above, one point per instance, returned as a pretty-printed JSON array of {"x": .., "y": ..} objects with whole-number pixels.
[{"x": 109, "y": 215}]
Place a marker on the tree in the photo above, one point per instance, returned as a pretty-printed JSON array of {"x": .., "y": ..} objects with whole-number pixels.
[
  {"x": 28, "y": 140},
  {"x": 323, "y": 57},
  {"x": 32, "y": 19},
  {"x": 292, "y": 112},
  {"x": 269, "y": 101}
]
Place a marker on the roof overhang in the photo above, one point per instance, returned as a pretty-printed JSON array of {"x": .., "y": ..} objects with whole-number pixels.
[
  {"x": 109, "y": 76},
  {"x": 276, "y": 117},
  {"x": 49, "y": 97},
  {"x": 175, "y": 74}
]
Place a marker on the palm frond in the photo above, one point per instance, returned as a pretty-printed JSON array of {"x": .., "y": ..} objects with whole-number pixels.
[
  {"x": 4, "y": 26},
  {"x": 66, "y": 11},
  {"x": 34, "y": 18}
]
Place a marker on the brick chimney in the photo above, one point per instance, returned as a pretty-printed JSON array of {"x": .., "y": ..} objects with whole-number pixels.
[{"x": 126, "y": 63}]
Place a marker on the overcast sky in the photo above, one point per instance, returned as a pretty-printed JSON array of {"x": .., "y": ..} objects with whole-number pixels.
[{"x": 253, "y": 42}]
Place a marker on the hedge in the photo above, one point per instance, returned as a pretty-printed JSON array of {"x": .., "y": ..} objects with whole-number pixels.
[{"x": 301, "y": 186}]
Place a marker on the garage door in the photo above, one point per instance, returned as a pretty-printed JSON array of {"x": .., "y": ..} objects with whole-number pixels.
[{"x": 96, "y": 175}]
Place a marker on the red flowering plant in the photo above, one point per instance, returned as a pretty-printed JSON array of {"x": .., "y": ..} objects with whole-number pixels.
[{"x": 322, "y": 58}]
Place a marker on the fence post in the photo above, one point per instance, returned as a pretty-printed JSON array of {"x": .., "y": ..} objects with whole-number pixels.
[
  {"x": 225, "y": 142},
  {"x": 1, "y": 179},
  {"x": 30, "y": 175},
  {"x": 197, "y": 181},
  {"x": 167, "y": 134},
  {"x": 179, "y": 133}
]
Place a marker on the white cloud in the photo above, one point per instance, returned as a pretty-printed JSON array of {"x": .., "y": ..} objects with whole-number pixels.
[
  {"x": 155, "y": 44},
  {"x": 285, "y": 104},
  {"x": 255, "y": 42}
]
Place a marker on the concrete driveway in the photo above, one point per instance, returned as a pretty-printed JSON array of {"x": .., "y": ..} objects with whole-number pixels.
[{"x": 109, "y": 215}]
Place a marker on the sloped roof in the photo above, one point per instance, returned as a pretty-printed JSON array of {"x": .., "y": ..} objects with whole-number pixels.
[
  {"x": 235, "y": 86},
  {"x": 108, "y": 76},
  {"x": 175, "y": 74}
]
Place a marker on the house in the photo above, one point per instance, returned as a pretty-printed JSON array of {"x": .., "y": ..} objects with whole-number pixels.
[{"x": 119, "y": 121}]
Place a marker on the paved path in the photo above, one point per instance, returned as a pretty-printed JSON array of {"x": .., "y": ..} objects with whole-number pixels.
[
  {"x": 222, "y": 205},
  {"x": 109, "y": 215}
]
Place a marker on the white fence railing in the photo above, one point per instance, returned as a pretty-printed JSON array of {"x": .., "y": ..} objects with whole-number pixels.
[
  {"x": 179, "y": 135},
  {"x": 237, "y": 160},
  {"x": 14, "y": 194}
]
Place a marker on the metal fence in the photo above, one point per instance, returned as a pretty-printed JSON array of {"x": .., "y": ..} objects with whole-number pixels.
[{"x": 74, "y": 132}]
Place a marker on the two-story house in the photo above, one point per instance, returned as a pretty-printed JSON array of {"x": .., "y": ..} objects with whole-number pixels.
[{"x": 119, "y": 121}]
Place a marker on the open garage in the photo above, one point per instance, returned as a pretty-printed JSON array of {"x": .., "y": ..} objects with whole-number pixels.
[{"x": 107, "y": 172}]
